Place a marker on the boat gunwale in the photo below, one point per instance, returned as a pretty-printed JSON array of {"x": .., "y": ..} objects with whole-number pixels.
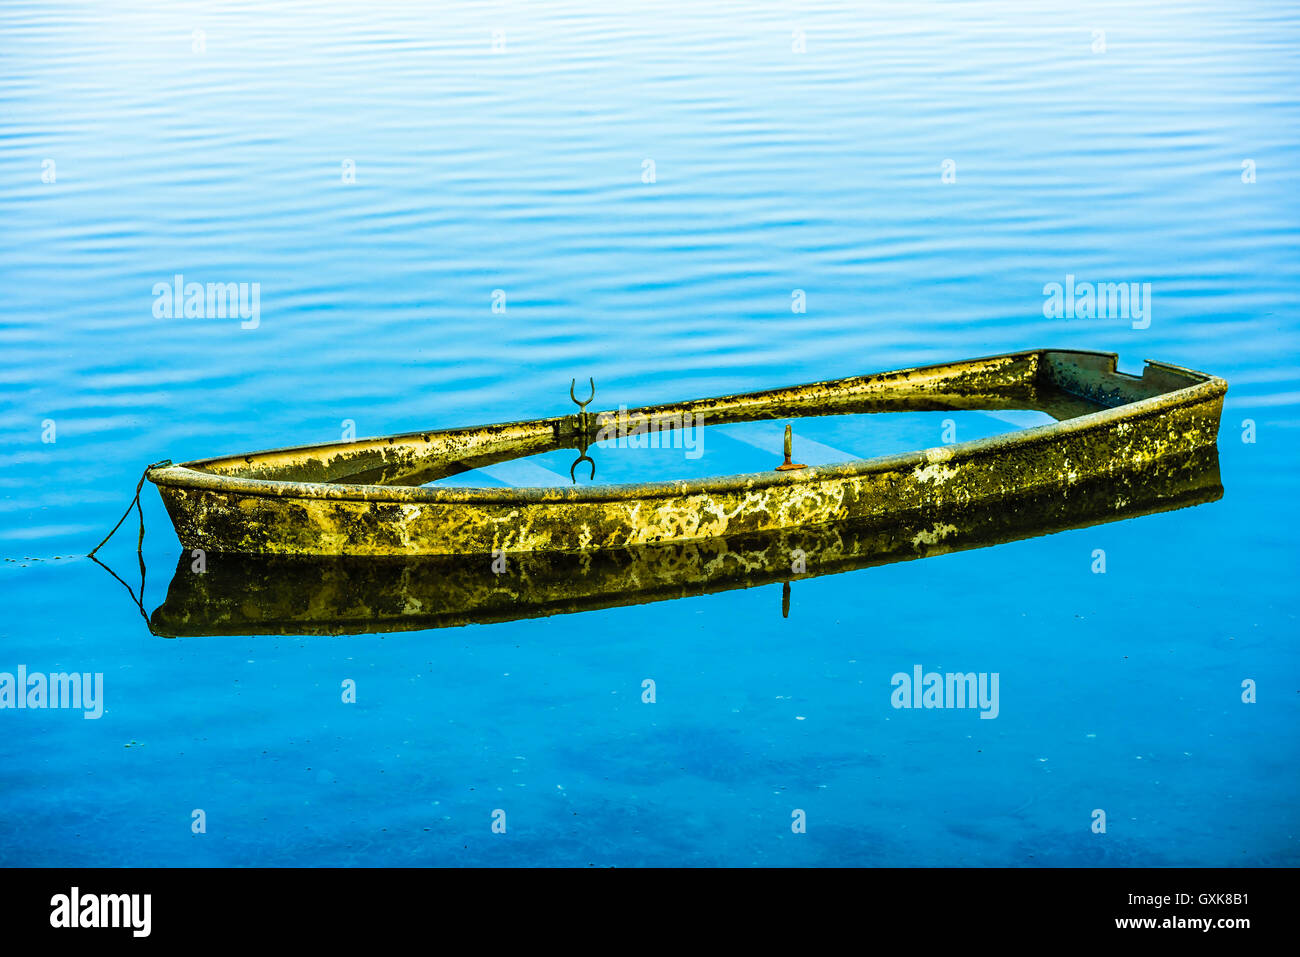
[{"x": 185, "y": 476}]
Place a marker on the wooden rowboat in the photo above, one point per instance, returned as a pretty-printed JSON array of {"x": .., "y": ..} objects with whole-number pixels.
[
  {"x": 340, "y": 595},
  {"x": 366, "y": 497}
]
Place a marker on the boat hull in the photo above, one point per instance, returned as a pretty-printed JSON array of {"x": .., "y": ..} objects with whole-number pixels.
[
  {"x": 1171, "y": 413},
  {"x": 333, "y": 595}
]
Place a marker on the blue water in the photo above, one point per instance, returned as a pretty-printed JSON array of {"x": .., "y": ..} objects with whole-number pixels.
[{"x": 222, "y": 156}]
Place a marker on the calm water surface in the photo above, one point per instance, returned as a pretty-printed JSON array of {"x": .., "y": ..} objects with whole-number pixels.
[{"x": 133, "y": 149}]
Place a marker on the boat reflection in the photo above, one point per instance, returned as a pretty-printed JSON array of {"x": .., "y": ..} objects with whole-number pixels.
[{"x": 276, "y": 595}]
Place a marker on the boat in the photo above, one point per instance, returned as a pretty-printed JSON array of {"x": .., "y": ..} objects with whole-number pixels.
[
  {"x": 370, "y": 497},
  {"x": 308, "y": 595}
]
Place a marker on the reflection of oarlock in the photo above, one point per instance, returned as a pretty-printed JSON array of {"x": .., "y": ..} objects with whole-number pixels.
[{"x": 584, "y": 428}]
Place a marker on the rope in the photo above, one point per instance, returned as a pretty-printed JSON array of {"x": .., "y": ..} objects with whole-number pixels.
[
  {"x": 139, "y": 542},
  {"x": 139, "y": 602},
  {"x": 135, "y": 504}
]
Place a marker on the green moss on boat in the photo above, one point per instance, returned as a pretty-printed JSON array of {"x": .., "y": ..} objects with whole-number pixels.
[
  {"x": 337, "y": 595},
  {"x": 364, "y": 498}
]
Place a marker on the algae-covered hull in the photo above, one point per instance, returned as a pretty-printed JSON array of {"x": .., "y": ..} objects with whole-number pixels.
[
  {"x": 314, "y": 595},
  {"x": 365, "y": 498}
]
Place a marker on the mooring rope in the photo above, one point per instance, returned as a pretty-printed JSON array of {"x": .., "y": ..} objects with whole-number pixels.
[
  {"x": 135, "y": 504},
  {"x": 139, "y": 602},
  {"x": 139, "y": 542}
]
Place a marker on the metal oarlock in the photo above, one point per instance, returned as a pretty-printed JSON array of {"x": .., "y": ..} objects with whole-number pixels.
[
  {"x": 582, "y": 406},
  {"x": 787, "y": 465}
]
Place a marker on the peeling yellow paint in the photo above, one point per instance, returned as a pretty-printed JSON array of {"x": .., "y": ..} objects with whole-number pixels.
[{"x": 932, "y": 536}]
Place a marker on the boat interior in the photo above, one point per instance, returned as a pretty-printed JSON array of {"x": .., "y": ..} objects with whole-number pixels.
[{"x": 1053, "y": 385}]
